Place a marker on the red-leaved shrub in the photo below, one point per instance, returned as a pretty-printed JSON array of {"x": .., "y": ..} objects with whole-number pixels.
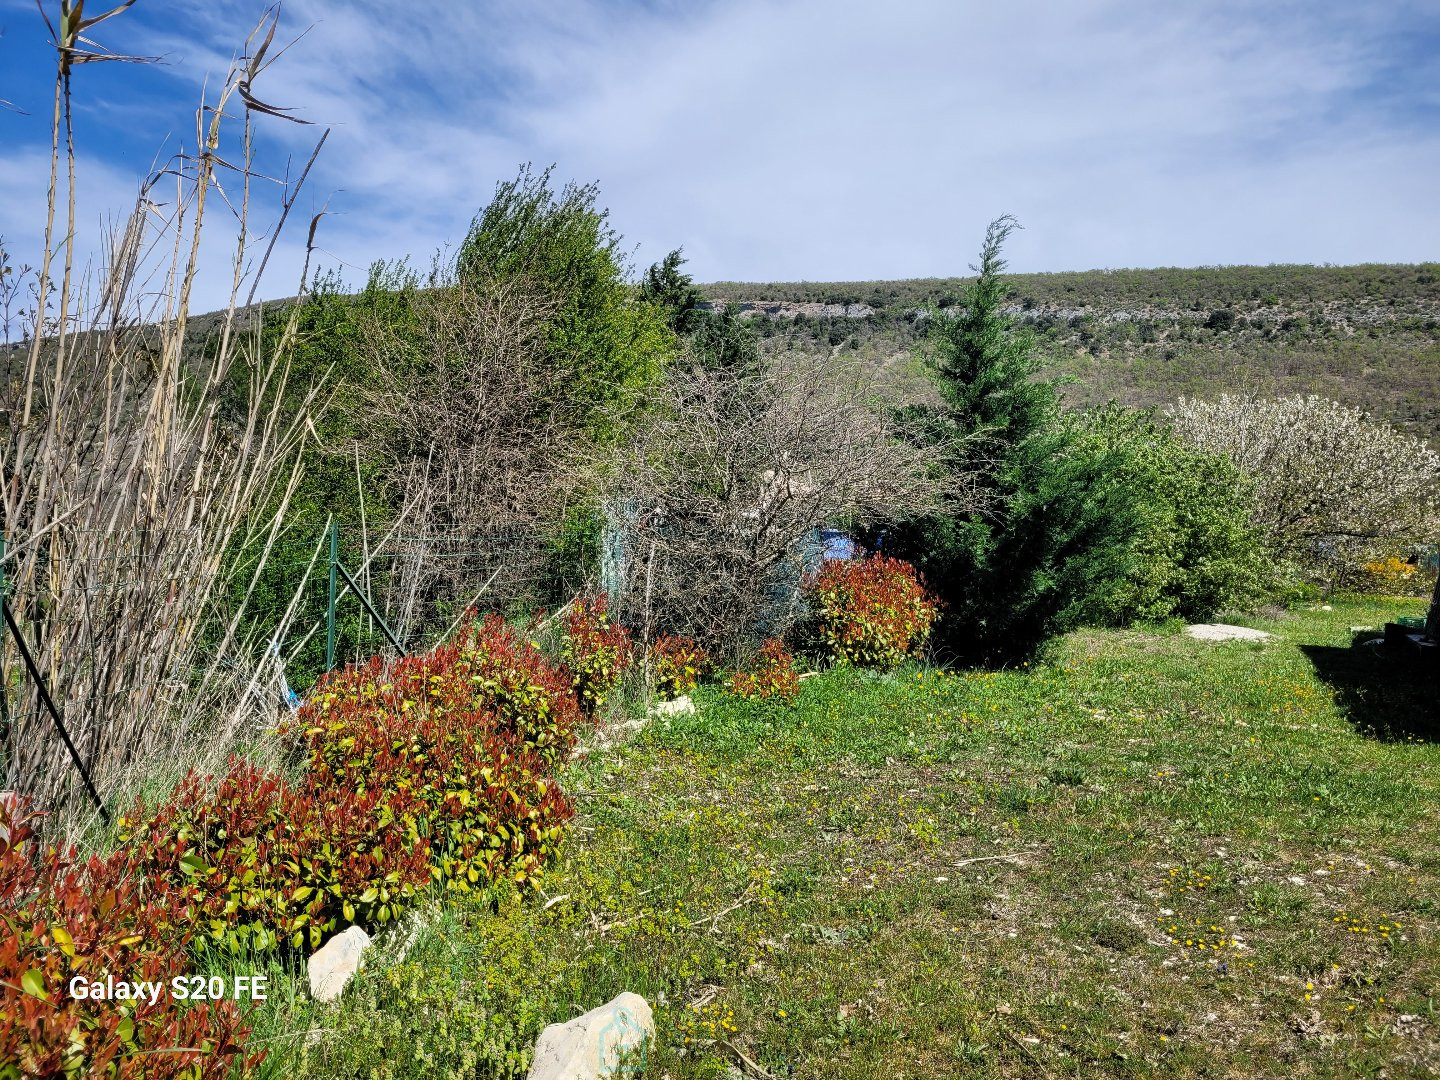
[
  {"x": 472, "y": 731},
  {"x": 596, "y": 650},
  {"x": 65, "y": 918},
  {"x": 262, "y": 862},
  {"x": 679, "y": 665},
  {"x": 769, "y": 677},
  {"x": 872, "y": 612},
  {"x": 431, "y": 768}
]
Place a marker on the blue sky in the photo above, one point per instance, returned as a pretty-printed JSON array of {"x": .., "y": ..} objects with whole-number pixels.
[{"x": 792, "y": 139}]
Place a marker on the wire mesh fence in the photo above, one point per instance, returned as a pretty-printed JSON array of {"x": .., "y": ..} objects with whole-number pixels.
[
  {"x": 394, "y": 591},
  {"x": 389, "y": 592}
]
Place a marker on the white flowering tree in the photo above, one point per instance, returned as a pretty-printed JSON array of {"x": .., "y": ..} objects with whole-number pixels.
[{"x": 1327, "y": 476}]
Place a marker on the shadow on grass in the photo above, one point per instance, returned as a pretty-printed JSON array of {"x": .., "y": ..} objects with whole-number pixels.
[{"x": 1386, "y": 695}]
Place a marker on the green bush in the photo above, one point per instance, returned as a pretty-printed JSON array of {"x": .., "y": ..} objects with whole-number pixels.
[
  {"x": 1194, "y": 550},
  {"x": 604, "y": 338},
  {"x": 329, "y": 324}
]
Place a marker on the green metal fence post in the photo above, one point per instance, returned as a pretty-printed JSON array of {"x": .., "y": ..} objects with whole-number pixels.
[
  {"x": 364, "y": 599},
  {"x": 330, "y": 609}
]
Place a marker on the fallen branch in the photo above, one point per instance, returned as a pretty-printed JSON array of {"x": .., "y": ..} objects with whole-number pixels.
[
  {"x": 714, "y": 920},
  {"x": 751, "y": 1065},
  {"x": 989, "y": 858},
  {"x": 556, "y": 616},
  {"x": 602, "y": 928},
  {"x": 707, "y": 995}
]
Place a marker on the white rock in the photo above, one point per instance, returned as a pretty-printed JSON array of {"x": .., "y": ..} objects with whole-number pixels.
[
  {"x": 332, "y": 965},
  {"x": 591, "y": 1046},
  {"x": 681, "y": 706},
  {"x": 1224, "y": 632}
]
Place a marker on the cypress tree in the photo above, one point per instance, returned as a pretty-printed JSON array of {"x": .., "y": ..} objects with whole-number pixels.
[{"x": 1055, "y": 521}]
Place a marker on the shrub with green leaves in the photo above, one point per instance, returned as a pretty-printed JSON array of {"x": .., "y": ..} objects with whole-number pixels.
[
  {"x": 1102, "y": 519},
  {"x": 771, "y": 676},
  {"x": 603, "y": 338},
  {"x": 871, "y": 612},
  {"x": 596, "y": 650},
  {"x": 1193, "y": 550},
  {"x": 680, "y": 664},
  {"x": 1049, "y": 526}
]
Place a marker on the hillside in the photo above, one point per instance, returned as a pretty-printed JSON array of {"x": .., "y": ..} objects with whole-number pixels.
[{"x": 1365, "y": 335}]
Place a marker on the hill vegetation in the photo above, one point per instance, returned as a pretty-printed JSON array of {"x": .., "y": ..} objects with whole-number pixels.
[{"x": 1367, "y": 336}]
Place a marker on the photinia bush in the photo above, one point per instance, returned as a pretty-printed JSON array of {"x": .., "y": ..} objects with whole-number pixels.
[
  {"x": 471, "y": 731},
  {"x": 431, "y": 768},
  {"x": 64, "y": 918},
  {"x": 596, "y": 650},
  {"x": 261, "y": 862},
  {"x": 680, "y": 664},
  {"x": 770, "y": 677},
  {"x": 872, "y": 612},
  {"x": 488, "y": 674},
  {"x": 511, "y": 677}
]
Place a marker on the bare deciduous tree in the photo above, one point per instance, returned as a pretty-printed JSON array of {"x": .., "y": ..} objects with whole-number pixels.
[
  {"x": 717, "y": 495},
  {"x": 470, "y": 416}
]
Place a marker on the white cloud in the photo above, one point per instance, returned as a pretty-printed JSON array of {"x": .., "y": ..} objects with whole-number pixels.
[
  {"x": 841, "y": 139},
  {"x": 102, "y": 195}
]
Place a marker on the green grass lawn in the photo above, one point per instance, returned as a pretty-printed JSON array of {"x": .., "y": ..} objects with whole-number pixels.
[{"x": 1144, "y": 856}]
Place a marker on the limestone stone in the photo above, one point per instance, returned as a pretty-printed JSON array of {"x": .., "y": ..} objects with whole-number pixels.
[
  {"x": 681, "y": 706},
  {"x": 334, "y": 963},
  {"x": 1224, "y": 632},
  {"x": 592, "y": 1046}
]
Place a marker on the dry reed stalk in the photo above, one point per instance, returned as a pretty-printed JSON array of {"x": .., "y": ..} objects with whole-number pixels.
[{"x": 125, "y": 482}]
